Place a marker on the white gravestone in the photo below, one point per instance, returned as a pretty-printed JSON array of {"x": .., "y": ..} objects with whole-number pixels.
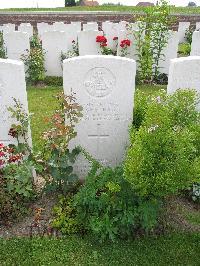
[
  {"x": 195, "y": 46},
  {"x": 54, "y": 43},
  {"x": 87, "y": 43},
  {"x": 183, "y": 27},
  {"x": 198, "y": 26},
  {"x": 12, "y": 85},
  {"x": 42, "y": 27},
  {"x": 59, "y": 26},
  {"x": 110, "y": 30},
  {"x": 17, "y": 44},
  {"x": 170, "y": 52},
  {"x": 26, "y": 28},
  {"x": 90, "y": 26},
  {"x": 132, "y": 49},
  {"x": 8, "y": 28},
  {"x": 184, "y": 73},
  {"x": 104, "y": 87},
  {"x": 72, "y": 34},
  {"x": 76, "y": 25}
]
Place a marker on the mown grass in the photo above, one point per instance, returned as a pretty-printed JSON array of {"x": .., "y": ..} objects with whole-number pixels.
[
  {"x": 133, "y": 9},
  {"x": 176, "y": 249}
]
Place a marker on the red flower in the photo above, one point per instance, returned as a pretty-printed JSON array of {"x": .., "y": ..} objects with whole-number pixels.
[
  {"x": 125, "y": 43},
  {"x": 101, "y": 39},
  {"x": 73, "y": 41},
  {"x": 103, "y": 44},
  {"x": 13, "y": 132},
  {"x": 1, "y": 162},
  {"x": 2, "y": 154},
  {"x": 14, "y": 158},
  {"x": 1, "y": 145},
  {"x": 115, "y": 38}
]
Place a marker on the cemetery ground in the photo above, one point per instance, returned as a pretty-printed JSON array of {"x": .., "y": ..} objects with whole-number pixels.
[{"x": 179, "y": 244}]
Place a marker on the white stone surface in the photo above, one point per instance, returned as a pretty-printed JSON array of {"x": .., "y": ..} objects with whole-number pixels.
[
  {"x": 16, "y": 44},
  {"x": 54, "y": 42},
  {"x": 26, "y": 28},
  {"x": 195, "y": 46},
  {"x": 7, "y": 28},
  {"x": 87, "y": 42},
  {"x": 90, "y": 26},
  {"x": 110, "y": 30},
  {"x": 42, "y": 27},
  {"x": 183, "y": 27},
  {"x": 77, "y": 25},
  {"x": 104, "y": 87},
  {"x": 131, "y": 50},
  {"x": 12, "y": 85},
  {"x": 169, "y": 52},
  {"x": 184, "y": 73},
  {"x": 198, "y": 26},
  {"x": 59, "y": 26}
]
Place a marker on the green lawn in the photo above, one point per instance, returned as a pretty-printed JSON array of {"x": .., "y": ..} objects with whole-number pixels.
[
  {"x": 134, "y": 9},
  {"x": 164, "y": 250}
]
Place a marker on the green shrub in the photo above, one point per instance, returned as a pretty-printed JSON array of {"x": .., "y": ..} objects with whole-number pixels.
[
  {"x": 184, "y": 49},
  {"x": 53, "y": 81},
  {"x": 2, "y": 48},
  {"x": 34, "y": 62},
  {"x": 162, "y": 157},
  {"x": 65, "y": 216},
  {"x": 108, "y": 208}
]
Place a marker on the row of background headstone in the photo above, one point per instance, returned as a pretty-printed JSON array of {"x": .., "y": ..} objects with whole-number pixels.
[{"x": 58, "y": 38}]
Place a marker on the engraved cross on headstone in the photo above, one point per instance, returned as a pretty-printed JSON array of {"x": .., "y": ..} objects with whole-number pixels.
[{"x": 98, "y": 136}]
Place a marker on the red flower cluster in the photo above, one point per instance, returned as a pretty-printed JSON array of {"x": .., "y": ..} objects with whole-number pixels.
[
  {"x": 101, "y": 39},
  {"x": 7, "y": 155},
  {"x": 125, "y": 43},
  {"x": 13, "y": 132}
]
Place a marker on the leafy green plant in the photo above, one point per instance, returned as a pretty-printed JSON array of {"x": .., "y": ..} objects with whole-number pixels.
[
  {"x": 16, "y": 167},
  {"x": 184, "y": 49},
  {"x": 57, "y": 158},
  {"x": 162, "y": 158},
  {"x": 151, "y": 38},
  {"x": 53, "y": 81},
  {"x": 188, "y": 35},
  {"x": 34, "y": 62},
  {"x": 2, "y": 48},
  {"x": 107, "y": 206},
  {"x": 72, "y": 53},
  {"x": 65, "y": 216}
]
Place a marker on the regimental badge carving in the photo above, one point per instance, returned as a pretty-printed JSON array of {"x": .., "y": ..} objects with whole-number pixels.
[{"x": 99, "y": 82}]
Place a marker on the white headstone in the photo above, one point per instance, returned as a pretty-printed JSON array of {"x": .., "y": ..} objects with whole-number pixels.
[
  {"x": 195, "y": 46},
  {"x": 72, "y": 34},
  {"x": 12, "y": 85},
  {"x": 77, "y": 25},
  {"x": 169, "y": 52},
  {"x": 198, "y": 26},
  {"x": 183, "y": 27},
  {"x": 131, "y": 50},
  {"x": 110, "y": 30},
  {"x": 87, "y": 42},
  {"x": 8, "y": 27},
  {"x": 26, "y": 28},
  {"x": 17, "y": 44},
  {"x": 59, "y": 26},
  {"x": 90, "y": 26},
  {"x": 104, "y": 87},
  {"x": 42, "y": 27},
  {"x": 54, "y": 43},
  {"x": 184, "y": 73}
]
